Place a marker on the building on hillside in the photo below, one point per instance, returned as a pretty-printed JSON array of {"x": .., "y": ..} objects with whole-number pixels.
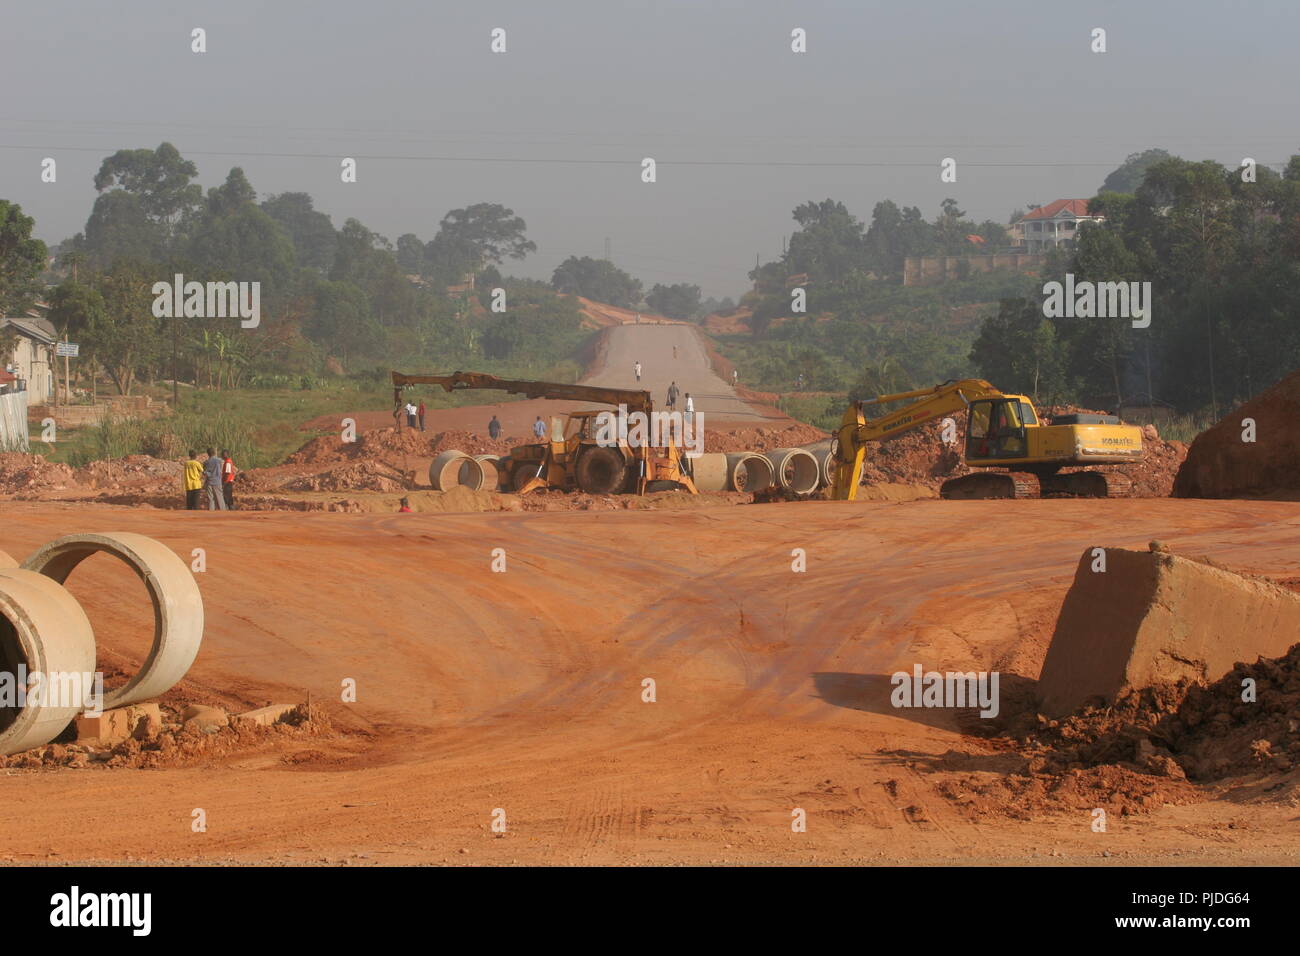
[
  {"x": 31, "y": 358},
  {"x": 1055, "y": 224}
]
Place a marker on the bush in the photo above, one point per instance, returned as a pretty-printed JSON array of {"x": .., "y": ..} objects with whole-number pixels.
[{"x": 169, "y": 437}]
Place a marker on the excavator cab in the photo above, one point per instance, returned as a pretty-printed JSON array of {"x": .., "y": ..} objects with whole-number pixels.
[{"x": 996, "y": 427}]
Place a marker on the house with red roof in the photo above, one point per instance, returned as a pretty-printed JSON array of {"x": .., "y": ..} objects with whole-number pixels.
[{"x": 1055, "y": 224}]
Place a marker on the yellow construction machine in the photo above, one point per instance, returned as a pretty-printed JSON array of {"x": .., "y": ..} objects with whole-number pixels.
[
  {"x": 1002, "y": 431},
  {"x": 582, "y": 452}
]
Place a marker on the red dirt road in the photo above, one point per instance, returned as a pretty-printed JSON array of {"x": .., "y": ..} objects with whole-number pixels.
[{"x": 523, "y": 690}]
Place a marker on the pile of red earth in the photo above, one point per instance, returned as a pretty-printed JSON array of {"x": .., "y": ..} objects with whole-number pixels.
[
  {"x": 1222, "y": 464},
  {"x": 392, "y": 446},
  {"x": 22, "y": 472},
  {"x": 761, "y": 438},
  {"x": 366, "y": 475},
  {"x": 1179, "y": 730},
  {"x": 26, "y": 476}
]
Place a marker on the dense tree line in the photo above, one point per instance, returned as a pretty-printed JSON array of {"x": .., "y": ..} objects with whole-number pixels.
[
  {"x": 1220, "y": 252},
  {"x": 342, "y": 298}
]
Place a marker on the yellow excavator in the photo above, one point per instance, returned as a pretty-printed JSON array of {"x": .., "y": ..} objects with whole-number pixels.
[
  {"x": 583, "y": 453},
  {"x": 1002, "y": 431}
]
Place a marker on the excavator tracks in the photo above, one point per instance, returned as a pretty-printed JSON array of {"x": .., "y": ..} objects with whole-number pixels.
[
  {"x": 991, "y": 484},
  {"x": 1022, "y": 484}
]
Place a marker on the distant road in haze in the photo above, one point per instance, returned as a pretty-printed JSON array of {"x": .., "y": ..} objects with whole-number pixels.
[{"x": 652, "y": 346}]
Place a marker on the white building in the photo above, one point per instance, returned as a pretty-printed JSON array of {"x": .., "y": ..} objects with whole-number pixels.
[
  {"x": 31, "y": 360},
  {"x": 1055, "y": 224}
]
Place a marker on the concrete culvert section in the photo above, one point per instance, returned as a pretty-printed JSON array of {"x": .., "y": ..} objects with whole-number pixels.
[
  {"x": 44, "y": 631},
  {"x": 747, "y": 471},
  {"x": 1151, "y": 618},
  {"x": 455, "y": 468},
  {"x": 795, "y": 469},
  {"x": 494, "y": 478},
  {"x": 711, "y": 472},
  {"x": 177, "y": 604}
]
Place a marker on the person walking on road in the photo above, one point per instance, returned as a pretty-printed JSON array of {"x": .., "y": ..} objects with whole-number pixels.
[
  {"x": 212, "y": 481},
  {"x": 420, "y": 413},
  {"x": 411, "y": 413},
  {"x": 672, "y": 395},
  {"x": 637, "y": 369},
  {"x": 735, "y": 377},
  {"x": 193, "y": 482},
  {"x": 539, "y": 428},
  {"x": 228, "y": 480},
  {"x": 674, "y": 351},
  {"x": 494, "y": 429},
  {"x": 690, "y": 404}
]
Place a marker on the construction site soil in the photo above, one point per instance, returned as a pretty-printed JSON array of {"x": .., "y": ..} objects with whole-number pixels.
[{"x": 523, "y": 690}]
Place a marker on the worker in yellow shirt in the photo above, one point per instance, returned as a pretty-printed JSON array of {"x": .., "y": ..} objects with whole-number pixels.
[{"x": 193, "y": 482}]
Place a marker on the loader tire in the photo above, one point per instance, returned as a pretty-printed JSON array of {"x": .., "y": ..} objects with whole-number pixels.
[
  {"x": 522, "y": 474},
  {"x": 601, "y": 471}
]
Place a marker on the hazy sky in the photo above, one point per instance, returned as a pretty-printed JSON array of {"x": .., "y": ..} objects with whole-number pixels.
[{"x": 899, "y": 84}]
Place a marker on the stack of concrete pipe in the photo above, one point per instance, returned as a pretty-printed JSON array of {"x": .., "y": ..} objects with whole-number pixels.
[
  {"x": 455, "y": 468},
  {"x": 44, "y": 629},
  {"x": 796, "y": 470}
]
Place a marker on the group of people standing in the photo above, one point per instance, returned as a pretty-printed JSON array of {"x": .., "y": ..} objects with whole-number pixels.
[
  {"x": 414, "y": 415},
  {"x": 213, "y": 478}
]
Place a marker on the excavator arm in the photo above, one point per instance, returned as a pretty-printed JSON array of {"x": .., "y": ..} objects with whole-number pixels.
[
  {"x": 634, "y": 399},
  {"x": 856, "y": 429}
]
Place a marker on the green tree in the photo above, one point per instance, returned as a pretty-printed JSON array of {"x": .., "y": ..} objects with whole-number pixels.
[
  {"x": 1128, "y": 177},
  {"x": 21, "y": 259},
  {"x": 313, "y": 235},
  {"x": 679, "y": 301},
  {"x": 597, "y": 279}
]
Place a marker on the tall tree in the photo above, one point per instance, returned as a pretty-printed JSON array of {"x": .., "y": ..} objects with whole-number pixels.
[{"x": 21, "y": 259}]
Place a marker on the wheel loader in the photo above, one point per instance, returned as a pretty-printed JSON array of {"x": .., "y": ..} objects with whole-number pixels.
[
  {"x": 578, "y": 455},
  {"x": 1003, "y": 432}
]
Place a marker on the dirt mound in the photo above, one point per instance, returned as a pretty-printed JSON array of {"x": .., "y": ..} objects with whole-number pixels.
[
  {"x": 1222, "y": 464},
  {"x": 23, "y": 472},
  {"x": 391, "y": 446},
  {"x": 1242, "y": 724},
  {"x": 761, "y": 438},
  {"x": 366, "y": 475},
  {"x": 174, "y": 745}
]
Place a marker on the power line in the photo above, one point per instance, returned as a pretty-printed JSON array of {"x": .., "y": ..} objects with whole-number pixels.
[{"x": 589, "y": 161}]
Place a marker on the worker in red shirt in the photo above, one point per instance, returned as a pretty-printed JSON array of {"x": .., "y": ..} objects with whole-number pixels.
[
  {"x": 228, "y": 480},
  {"x": 420, "y": 414},
  {"x": 406, "y": 506}
]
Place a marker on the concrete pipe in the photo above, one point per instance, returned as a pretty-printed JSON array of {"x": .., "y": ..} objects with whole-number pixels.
[
  {"x": 795, "y": 470},
  {"x": 177, "y": 604},
  {"x": 747, "y": 471},
  {"x": 44, "y": 631},
  {"x": 453, "y": 468},
  {"x": 710, "y": 472},
  {"x": 494, "y": 476}
]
